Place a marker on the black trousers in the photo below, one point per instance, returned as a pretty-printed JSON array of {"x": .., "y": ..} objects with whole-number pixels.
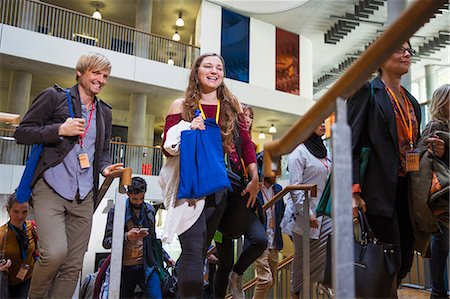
[
  {"x": 194, "y": 244},
  {"x": 256, "y": 242},
  {"x": 397, "y": 230}
]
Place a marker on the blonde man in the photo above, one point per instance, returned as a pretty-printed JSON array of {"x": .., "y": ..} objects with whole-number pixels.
[{"x": 75, "y": 128}]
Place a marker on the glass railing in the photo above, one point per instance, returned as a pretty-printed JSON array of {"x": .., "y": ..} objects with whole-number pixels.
[
  {"x": 63, "y": 23},
  {"x": 142, "y": 159}
]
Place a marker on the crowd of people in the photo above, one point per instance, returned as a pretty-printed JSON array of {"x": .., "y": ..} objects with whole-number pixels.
[{"x": 43, "y": 259}]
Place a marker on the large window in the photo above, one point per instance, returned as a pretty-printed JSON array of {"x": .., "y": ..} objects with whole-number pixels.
[
  {"x": 235, "y": 45},
  {"x": 287, "y": 62}
]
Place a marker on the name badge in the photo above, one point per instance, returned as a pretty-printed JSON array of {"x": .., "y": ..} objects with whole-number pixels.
[
  {"x": 84, "y": 160},
  {"x": 412, "y": 161},
  {"x": 22, "y": 271}
]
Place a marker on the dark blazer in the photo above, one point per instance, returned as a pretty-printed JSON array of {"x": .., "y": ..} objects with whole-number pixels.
[
  {"x": 41, "y": 124},
  {"x": 279, "y": 212},
  {"x": 372, "y": 120}
]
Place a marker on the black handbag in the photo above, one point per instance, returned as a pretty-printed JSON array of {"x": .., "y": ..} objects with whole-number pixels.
[
  {"x": 375, "y": 266},
  {"x": 375, "y": 270}
]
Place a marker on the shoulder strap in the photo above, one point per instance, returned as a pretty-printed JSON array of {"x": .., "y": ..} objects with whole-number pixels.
[{"x": 69, "y": 102}]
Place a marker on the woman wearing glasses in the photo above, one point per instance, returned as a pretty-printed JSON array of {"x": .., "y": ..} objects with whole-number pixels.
[{"x": 385, "y": 118}]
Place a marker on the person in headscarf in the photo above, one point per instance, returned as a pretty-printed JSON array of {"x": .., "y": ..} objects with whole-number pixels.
[{"x": 309, "y": 164}]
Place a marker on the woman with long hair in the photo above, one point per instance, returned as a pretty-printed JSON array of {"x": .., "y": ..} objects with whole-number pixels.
[
  {"x": 207, "y": 92},
  {"x": 440, "y": 121}
]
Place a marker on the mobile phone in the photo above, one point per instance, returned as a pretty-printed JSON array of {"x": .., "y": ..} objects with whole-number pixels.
[{"x": 145, "y": 229}]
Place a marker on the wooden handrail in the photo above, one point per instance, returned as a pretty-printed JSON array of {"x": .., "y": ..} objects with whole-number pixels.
[
  {"x": 125, "y": 180},
  {"x": 401, "y": 30},
  {"x": 312, "y": 188}
]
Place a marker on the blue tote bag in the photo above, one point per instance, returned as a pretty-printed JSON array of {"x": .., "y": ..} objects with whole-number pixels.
[
  {"x": 202, "y": 165},
  {"x": 23, "y": 191}
]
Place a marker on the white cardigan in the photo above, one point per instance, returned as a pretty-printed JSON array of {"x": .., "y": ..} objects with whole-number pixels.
[{"x": 181, "y": 213}]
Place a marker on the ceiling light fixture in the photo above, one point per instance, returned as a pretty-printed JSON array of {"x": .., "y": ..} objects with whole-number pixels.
[
  {"x": 180, "y": 21},
  {"x": 272, "y": 129},
  {"x": 170, "y": 61},
  {"x": 176, "y": 37},
  {"x": 262, "y": 136},
  {"x": 97, "y": 15}
]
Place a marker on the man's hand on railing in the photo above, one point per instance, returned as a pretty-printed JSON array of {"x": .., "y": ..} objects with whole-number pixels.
[
  {"x": 111, "y": 168},
  {"x": 357, "y": 202}
]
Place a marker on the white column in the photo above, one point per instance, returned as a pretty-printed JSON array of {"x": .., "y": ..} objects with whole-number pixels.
[
  {"x": 19, "y": 92},
  {"x": 136, "y": 119},
  {"x": 144, "y": 11},
  {"x": 430, "y": 80}
]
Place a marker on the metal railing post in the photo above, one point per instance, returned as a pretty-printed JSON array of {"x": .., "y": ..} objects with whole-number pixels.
[
  {"x": 117, "y": 246},
  {"x": 306, "y": 247},
  {"x": 342, "y": 253}
]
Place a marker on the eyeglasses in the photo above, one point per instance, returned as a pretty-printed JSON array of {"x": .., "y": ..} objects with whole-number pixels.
[{"x": 402, "y": 50}]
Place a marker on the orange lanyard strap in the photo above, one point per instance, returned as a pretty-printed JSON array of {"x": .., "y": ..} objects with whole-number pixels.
[
  {"x": 407, "y": 125},
  {"x": 217, "y": 111}
]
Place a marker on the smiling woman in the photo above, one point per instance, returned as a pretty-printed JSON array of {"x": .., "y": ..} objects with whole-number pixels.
[{"x": 207, "y": 93}]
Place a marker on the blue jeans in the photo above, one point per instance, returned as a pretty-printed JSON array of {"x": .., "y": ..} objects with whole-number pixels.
[
  {"x": 438, "y": 262},
  {"x": 134, "y": 275}
]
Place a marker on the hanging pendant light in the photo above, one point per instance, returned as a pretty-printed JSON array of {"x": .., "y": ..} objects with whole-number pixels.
[
  {"x": 262, "y": 136},
  {"x": 170, "y": 61},
  {"x": 97, "y": 15},
  {"x": 180, "y": 21},
  {"x": 176, "y": 37},
  {"x": 272, "y": 129}
]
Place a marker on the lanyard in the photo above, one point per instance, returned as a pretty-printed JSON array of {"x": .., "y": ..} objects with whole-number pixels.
[
  {"x": 325, "y": 164},
  {"x": 23, "y": 241},
  {"x": 407, "y": 125},
  {"x": 266, "y": 197},
  {"x": 88, "y": 125},
  {"x": 217, "y": 111}
]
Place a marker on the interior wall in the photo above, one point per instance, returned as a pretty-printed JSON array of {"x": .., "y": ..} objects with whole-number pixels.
[{"x": 262, "y": 54}]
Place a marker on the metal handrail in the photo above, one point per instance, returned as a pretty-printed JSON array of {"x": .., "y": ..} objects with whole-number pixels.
[
  {"x": 401, "y": 30},
  {"x": 71, "y": 25}
]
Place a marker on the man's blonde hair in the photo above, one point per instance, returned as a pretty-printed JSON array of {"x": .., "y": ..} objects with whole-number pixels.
[{"x": 92, "y": 61}]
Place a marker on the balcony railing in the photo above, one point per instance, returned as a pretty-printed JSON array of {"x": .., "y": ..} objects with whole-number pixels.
[
  {"x": 142, "y": 159},
  {"x": 63, "y": 23}
]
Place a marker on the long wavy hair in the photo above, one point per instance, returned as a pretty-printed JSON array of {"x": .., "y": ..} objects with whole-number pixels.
[
  {"x": 229, "y": 105},
  {"x": 439, "y": 104}
]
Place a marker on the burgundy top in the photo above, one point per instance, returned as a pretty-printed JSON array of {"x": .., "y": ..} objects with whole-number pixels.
[{"x": 247, "y": 146}]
